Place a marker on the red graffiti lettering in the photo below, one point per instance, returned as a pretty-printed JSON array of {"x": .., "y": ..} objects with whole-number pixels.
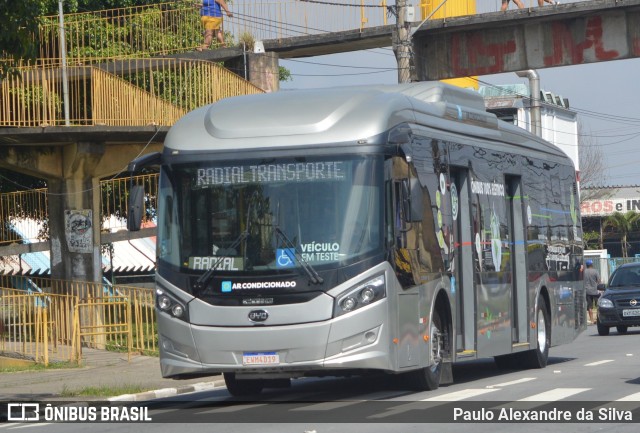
[
  {"x": 478, "y": 53},
  {"x": 562, "y": 38}
]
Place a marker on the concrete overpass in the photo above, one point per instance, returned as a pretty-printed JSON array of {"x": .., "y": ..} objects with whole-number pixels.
[
  {"x": 490, "y": 43},
  {"x": 560, "y": 35}
]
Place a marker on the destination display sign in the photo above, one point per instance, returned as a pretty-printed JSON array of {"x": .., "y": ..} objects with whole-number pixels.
[
  {"x": 221, "y": 263},
  {"x": 269, "y": 173}
]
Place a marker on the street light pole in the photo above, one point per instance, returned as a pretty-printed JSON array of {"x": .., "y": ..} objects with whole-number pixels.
[{"x": 63, "y": 51}]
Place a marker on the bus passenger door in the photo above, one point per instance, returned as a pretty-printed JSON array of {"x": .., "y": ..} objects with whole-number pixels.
[
  {"x": 462, "y": 281},
  {"x": 519, "y": 323}
]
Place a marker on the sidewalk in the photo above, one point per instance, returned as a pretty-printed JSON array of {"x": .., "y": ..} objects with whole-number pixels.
[{"x": 101, "y": 369}]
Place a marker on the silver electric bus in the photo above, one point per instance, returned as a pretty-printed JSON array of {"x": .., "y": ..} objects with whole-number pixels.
[{"x": 396, "y": 229}]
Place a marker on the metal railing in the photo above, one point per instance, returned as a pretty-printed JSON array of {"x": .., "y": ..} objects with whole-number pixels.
[
  {"x": 134, "y": 92},
  {"x": 22, "y": 216},
  {"x": 35, "y": 326},
  {"x": 100, "y": 319},
  {"x": 115, "y": 200},
  {"x": 170, "y": 28},
  {"x": 45, "y": 325}
]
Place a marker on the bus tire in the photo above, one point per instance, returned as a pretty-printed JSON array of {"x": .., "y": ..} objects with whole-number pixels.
[
  {"x": 239, "y": 388},
  {"x": 538, "y": 357},
  {"x": 507, "y": 362},
  {"x": 428, "y": 378}
]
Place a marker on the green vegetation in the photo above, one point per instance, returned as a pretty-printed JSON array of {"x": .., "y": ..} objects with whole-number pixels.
[
  {"x": 623, "y": 225},
  {"x": 38, "y": 367},
  {"x": 102, "y": 391}
]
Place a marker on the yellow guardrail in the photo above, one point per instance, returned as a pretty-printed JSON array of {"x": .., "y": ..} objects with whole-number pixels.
[
  {"x": 35, "y": 325},
  {"x": 135, "y": 92},
  {"x": 67, "y": 315},
  {"x": 98, "y": 321}
]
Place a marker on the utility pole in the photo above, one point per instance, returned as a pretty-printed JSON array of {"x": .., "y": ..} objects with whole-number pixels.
[{"x": 402, "y": 43}]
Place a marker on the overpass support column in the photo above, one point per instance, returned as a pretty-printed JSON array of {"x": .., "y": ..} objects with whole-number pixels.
[
  {"x": 74, "y": 214},
  {"x": 261, "y": 69}
]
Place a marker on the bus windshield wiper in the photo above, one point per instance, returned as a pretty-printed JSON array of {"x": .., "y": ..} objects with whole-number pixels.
[
  {"x": 204, "y": 279},
  {"x": 312, "y": 273}
]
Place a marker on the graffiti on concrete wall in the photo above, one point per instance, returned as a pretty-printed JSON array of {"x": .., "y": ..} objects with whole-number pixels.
[
  {"x": 564, "y": 41},
  {"x": 78, "y": 230}
]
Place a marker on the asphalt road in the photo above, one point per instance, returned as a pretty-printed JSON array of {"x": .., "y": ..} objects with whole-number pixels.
[{"x": 593, "y": 375}]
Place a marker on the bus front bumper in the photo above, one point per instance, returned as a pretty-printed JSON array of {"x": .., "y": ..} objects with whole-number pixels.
[{"x": 356, "y": 341}]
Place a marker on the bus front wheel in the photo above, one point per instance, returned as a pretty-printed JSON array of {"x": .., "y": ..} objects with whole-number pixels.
[
  {"x": 239, "y": 388},
  {"x": 428, "y": 378}
]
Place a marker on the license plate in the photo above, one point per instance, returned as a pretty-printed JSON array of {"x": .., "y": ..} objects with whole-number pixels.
[
  {"x": 261, "y": 358},
  {"x": 631, "y": 313}
]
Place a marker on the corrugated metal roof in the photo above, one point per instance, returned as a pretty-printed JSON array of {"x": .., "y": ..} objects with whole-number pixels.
[
  {"x": 135, "y": 256},
  {"x": 12, "y": 265},
  {"x": 39, "y": 262}
]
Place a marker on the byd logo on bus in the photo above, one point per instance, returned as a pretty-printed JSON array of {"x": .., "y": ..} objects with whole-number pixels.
[{"x": 258, "y": 315}]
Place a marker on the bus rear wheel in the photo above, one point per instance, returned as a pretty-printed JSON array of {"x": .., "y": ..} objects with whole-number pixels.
[
  {"x": 428, "y": 378},
  {"x": 538, "y": 357},
  {"x": 239, "y": 388}
]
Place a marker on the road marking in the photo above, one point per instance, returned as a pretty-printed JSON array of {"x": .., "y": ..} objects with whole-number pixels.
[
  {"x": 593, "y": 364},
  {"x": 555, "y": 394},
  {"x": 513, "y": 382},
  {"x": 233, "y": 408},
  {"x": 460, "y": 395},
  {"x": 416, "y": 405},
  {"x": 631, "y": 397},
  {"x": 329, "y": 405}
]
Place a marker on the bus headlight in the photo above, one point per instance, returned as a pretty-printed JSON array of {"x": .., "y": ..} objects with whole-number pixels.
[
  {"x": 169, "y": 304},
  {"x": 164, "y": 303},
  {"x": 360, "y": 296}
]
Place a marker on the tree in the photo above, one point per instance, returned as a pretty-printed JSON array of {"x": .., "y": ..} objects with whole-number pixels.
[
  {"x": 19, "y": 22},
  {"x": 623, "y": 224},
  {"x": 592, "y": 165}
]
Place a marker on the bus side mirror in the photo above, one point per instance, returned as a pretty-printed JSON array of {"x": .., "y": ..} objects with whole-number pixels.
[
  {"x": 136, "y": 208},
  {"x": 412, "y": 200}
]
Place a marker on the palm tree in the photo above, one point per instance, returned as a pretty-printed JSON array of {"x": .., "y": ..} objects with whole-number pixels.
[{"x": 622, "y": 224}]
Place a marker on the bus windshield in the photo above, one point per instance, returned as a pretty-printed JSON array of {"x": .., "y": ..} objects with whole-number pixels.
[{"x": 271, "y": 214}]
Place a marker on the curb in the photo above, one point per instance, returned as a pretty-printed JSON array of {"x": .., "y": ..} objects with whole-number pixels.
[{"x": 170, "y": 392}]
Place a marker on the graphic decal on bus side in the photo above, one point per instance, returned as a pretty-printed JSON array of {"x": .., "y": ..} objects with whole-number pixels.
[
  {"x": 442, "y": 230},
  {"x": 493, "y": 253},
  {"x": 496, "y": 242}
]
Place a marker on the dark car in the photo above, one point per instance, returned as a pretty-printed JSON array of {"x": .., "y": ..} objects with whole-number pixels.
[{"x": 619, "y": 306}]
